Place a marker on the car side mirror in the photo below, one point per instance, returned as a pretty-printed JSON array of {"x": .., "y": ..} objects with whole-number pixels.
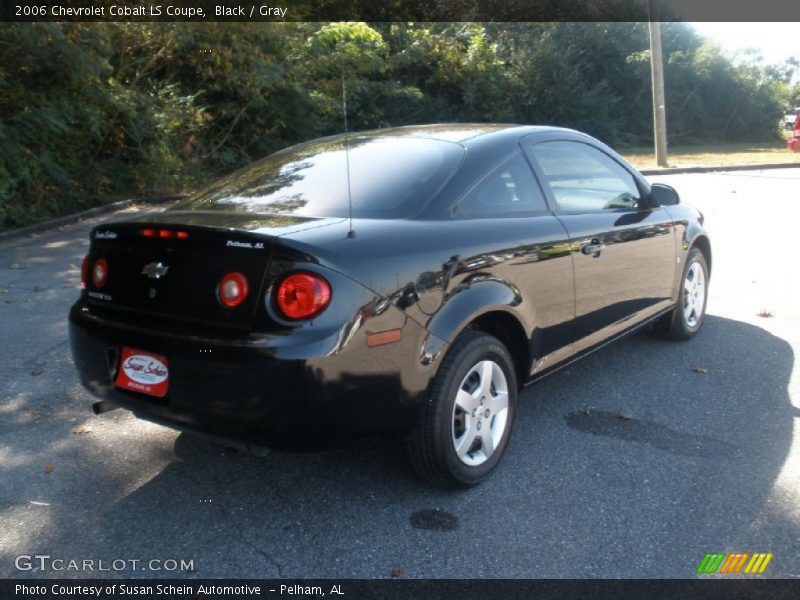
[{"x": 662, "y": 194}]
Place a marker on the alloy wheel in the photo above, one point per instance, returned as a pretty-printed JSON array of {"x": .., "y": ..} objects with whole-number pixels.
[
  {"x": 480, "y": 413},
  {"x": 694, "y": 294}
]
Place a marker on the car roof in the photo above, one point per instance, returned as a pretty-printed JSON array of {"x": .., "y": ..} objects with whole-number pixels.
[{"x": 462, "y": 133}]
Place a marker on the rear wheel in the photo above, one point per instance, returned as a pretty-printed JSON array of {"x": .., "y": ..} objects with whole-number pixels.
[
  {"x": 466, "y": 423},
  {"x": 687, "y": 317}
]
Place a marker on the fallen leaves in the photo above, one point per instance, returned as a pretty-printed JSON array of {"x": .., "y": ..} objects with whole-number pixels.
[
  {"x": 397, "y": 573},
  {"x": 48, "y": 468},
  {"x": 82, "y": 429},
  {"x": 765, "y": 314},
  {"x": 624, "y": 416},
  {"x": 36, "y": 372},
  {"x": 699, "y": 370}
]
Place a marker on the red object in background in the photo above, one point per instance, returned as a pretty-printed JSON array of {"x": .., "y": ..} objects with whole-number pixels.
[{"x": 794, "y": 143}]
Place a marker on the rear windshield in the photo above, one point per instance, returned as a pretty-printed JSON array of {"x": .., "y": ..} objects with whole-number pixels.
[{"x": 390, "y": 178}]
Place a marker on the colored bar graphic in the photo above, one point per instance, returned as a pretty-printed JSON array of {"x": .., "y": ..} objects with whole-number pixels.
[
  {"x": 719, "y": 562},
  {"x": 740, "y": 563},
  {"x": 734, "y": 562},
  {"x": 758, "y": 564},
  {"x": 703, "y": 564},
  {"x": 713, "y": 566},
  {"x": 726, "y": 566},
  {"x": 756, "y": 559},
  {"x": 711, "y": 563},
  {"x": 765, "y": 563}
]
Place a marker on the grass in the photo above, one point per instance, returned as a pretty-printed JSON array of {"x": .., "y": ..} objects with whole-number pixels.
[{"x": 713, "y": 155}]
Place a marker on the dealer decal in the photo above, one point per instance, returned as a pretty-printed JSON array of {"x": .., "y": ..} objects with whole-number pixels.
[
  {"x": 248, "y": 245},
  {"x": 143, "y": 372}
]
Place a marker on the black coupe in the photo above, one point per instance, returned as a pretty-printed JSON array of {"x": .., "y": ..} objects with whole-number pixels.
[{"x": 407, "y": 280}]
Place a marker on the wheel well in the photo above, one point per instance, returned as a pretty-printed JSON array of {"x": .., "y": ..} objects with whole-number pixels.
[
  {"x": 705, "y": 247},
  {"x": 508, "y": 330}
]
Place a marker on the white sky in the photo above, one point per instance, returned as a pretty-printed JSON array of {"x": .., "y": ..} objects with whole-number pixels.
[{"x": 776, "y": 41}]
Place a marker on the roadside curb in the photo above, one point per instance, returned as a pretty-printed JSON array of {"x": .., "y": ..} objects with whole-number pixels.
[
  {"x": 80, "y": 216},
  {"x": 716, "y": 169}
]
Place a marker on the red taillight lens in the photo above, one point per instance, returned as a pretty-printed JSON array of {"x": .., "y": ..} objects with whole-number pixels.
[
  {"x": 164, "y": 234},
  {"x": 100, "y": 272},
  {"x": 85, "y": 271},
  {"x": 303, "y": 295},
  {"x": 232, "y": 289}
]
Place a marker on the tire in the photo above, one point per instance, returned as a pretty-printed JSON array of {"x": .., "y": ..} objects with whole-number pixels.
[
  {"x": 686, "y": 319},
  {"x": 466, "y": 423}
]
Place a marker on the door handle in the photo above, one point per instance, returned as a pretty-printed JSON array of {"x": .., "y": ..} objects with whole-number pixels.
[{"x": 593, "y": 248}]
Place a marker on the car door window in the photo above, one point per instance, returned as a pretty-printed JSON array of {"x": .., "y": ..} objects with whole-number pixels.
[
  {"x": 509, "y": 190},
  {"x": 584, "y": 179}
]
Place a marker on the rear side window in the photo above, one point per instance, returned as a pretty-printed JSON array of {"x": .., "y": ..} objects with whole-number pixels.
[
  {"x": 390, "y": 178},
  {"x": 584, "y": 179},
  {"x": 509, "y": 190}
]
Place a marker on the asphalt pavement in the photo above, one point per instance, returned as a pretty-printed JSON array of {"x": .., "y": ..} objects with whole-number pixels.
[{"x": 634, "y": 462}]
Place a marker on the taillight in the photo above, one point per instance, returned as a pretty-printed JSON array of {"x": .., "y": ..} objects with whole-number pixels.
[
  {"x": 85, "y": 271},
  {"x": 232, "y": 289},
  {"x": 100, "y": 272},
  {"x": 302, "y": 296}
]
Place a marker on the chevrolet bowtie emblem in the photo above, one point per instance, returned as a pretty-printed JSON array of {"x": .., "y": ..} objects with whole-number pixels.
[{"x": 155, "y": 270}]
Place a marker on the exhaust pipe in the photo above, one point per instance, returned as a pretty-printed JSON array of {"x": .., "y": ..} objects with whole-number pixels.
[{"x": 103, "y": 406}]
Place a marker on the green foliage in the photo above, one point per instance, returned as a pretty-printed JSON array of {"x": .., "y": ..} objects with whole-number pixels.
[
  {"x": 355, "y": 53},
  {"x": 90, "y": 112},
  {"x": 52, "y": 98}
]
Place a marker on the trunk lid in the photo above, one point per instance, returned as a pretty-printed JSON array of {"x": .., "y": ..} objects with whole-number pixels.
[{"x": 176, "y": 274}]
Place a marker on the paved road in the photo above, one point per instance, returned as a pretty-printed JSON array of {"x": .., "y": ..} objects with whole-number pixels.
[{"x": 707, "y": 461}]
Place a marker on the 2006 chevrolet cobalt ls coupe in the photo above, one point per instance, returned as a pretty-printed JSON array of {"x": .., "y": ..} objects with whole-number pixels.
[{"x": 408, "y": 280}]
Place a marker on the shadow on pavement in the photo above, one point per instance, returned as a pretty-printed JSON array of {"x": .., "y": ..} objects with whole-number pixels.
[{"x": 626, "y": 464}]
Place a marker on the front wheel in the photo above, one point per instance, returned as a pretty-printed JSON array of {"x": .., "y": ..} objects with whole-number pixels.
[
  {"x": 687, "y": 317},
  {"x": 466, "y": 424}
]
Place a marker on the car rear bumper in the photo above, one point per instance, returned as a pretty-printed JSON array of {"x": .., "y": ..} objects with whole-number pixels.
[{"x": 257, "y": 389}]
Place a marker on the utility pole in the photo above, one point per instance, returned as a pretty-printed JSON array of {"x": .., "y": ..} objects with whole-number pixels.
[{"x": 657, "y": 71}]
